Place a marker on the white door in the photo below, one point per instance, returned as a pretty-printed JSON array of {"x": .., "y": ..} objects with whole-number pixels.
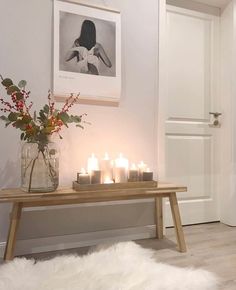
[{"x": 192, "y": 151}]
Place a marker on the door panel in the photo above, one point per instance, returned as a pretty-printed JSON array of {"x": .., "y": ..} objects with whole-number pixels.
[
  {"x": 189, "y": 51},
  {"x": 192, "y": 92},
  {"x": 196, "y": 169}
]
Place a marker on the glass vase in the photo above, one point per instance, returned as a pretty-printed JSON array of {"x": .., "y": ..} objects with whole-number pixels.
[{"x": 39, "y": 167}]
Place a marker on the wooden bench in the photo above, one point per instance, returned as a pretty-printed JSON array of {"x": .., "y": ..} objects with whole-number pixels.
[{"x": 21, "y": 199}]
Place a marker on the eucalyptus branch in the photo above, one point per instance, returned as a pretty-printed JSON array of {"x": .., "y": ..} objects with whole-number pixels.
[
  {"x": 27, "y": 167},
  {"x": 52, "y": 172},
  {"x": 31, "y": 172}
]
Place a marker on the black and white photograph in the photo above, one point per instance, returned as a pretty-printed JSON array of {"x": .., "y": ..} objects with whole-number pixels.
[
  {"x": 87, "y": 51},
  {"x": 87, "y": 45}
]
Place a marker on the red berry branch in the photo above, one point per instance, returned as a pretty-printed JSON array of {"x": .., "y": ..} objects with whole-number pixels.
[{"x": 35, "y": 127}]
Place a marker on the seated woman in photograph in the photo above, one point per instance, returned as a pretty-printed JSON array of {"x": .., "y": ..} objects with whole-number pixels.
[{"x": 87, "y": 51}]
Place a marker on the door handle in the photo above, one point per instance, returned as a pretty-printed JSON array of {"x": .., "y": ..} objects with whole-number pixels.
[
  {"x": 216, "y": 122},
  {"x": 215, "y": 114}
]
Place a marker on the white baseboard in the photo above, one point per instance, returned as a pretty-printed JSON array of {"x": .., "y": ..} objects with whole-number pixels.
[{"x": 80, "y": 240}]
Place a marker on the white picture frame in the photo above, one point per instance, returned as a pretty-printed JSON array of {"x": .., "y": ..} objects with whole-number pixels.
[{"x": 87, "y": 53}]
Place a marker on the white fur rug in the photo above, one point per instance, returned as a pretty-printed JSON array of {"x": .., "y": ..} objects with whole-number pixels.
[{"x": 123, "y": 266}]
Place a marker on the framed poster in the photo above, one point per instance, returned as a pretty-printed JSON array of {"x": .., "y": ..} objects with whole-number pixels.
[{"x": 87, "y": 52}]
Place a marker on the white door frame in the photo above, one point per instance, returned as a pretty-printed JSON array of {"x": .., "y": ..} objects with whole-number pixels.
[{"x": 162, "y": 90}]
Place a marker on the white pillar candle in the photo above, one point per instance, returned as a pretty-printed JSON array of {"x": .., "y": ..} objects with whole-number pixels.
[
  {"x": 96, "y": 177},
  {"x": 120, "y": 175},
  {"x": 83, "y": 177},
  {"x": 106, "y": 168},
  {"x": 142, "y": 167},
  {"x": 133, "y": 173},
  {"x": 147, "y": 175},
  {"x": 121, "y": 169},
  {"x": 92, "y": 164}
]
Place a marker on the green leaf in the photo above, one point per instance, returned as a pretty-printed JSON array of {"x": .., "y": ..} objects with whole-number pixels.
[
  {"x": 42, "y": 117},
  {"x": 26, "y": 119},
  {"x": 19, "y": 96},
  {"x": 64, "y": 117},
  {"x": 22, "y": 135},
  {"x": 7, "y": 124},
  {"x": 46, "y": 109},
  {"x": 22, "y": 84},
  {"x": 48, "y": 130},
  {"x": 71, "y": 119},
  {"x": 13, "y": 116},
  {"x": 75, "y": 119},
  {"x": 12, "y": 89},
  {"x": 4, "y": 118},
  {"x": 7, "y": 83},
  {"x": 56, "y": 111},
  {"x": 78, "y": 125},
  {"x": 20, "y": 124},
  {"x": 52, "y": 152}
]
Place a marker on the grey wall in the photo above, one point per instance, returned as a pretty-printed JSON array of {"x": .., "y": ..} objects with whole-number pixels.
[{"x": 26, "y": 53}]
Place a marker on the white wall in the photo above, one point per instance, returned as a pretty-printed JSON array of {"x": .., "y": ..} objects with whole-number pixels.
[{"x": 26, "y": 53}]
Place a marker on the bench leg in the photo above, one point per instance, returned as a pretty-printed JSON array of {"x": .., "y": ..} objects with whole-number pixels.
[
  {"x": 14, "y": 223},
  {"x": 159, "y": 217},
  {"x": 177, "y": 222}
]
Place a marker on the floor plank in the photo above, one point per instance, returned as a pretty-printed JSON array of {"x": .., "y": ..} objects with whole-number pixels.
[{"x": 209, "y": 246}]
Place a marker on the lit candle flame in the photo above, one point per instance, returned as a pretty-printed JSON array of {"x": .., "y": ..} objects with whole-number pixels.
[
  {"x": 106, "y": 157},
  {"x": 141, "y": 164},
  {"x": 92, "y": 163},
  {"x": 133, "y": 167},
  {"x": 122, "y": 161},
  {"x": 108, "y": 180}
]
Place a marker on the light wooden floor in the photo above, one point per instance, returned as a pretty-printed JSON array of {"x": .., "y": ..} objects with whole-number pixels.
[{"x": 210, "y": 246}]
